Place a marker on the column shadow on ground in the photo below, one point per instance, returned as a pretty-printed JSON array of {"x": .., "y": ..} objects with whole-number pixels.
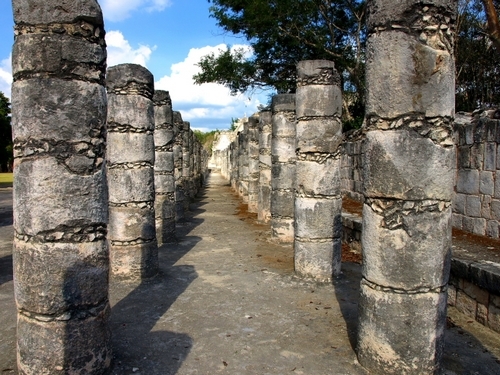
[
  {"x": 137, "y": 347},
  {"x": 6, "y": 271}
]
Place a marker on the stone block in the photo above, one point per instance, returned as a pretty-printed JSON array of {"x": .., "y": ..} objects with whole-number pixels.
[
  {"x": 313, "y": 178},
  {"x": 322, "y": 135},
  {"x": 283, "y": 150},
  {"x": 460, "y": 269},
  {"x": 480, "y": 295},
  {"x": 395, "y": 329},
  {"x": 477, "y": 156},
  {"x": 318, "y": 218},
  {"x": 463, "y": 157},
  {"x": 391, "y": 95},
  {"x": 164, "y": 207},
  {"x": 284, "y": 126},
  {"x": 131, "y": 185},
  {"x": 497, "y": 184},
  {"x": 57, "y": 278},
  {"x": 134, "y": 262},
  {"x": 492, "y": 229},
  {"x": 474, "y": 225},
  {"x": 390, "y": 169},
  {"x": 130, "y": 148},
  {"x": 486, "y": 275},
  {"x": 486, "y": 207},
  {"x": 131, "y": 223},
  {"x": 495, "y": 209},
  {"x": 282, "y": 203},
  {"x": 468, "y": 181},
  {"x": 494, "y": 318},
  {"x": 164, "y": 183},
  {"x": 466, "y": 304},
  {"x": 482, "y": 314},
  {"x": 43, "y": 347},
  {"x": 164, "y": 161},
  {"x": 318, "y": 101},
  {"x": 163, "y": 137},
  {"x": 469, "y": 134},
  {"x": 283, "y": 102},
  {"x": 282, "y": 229},
  {"x": 318, "y": 260},
  {"x": 62, "y": 11},
  {"x": 283, "y": 176},
  {"x": 119, "y": 76},
  {"x": 452, "y": 295},
  {"x": 473, "y": 206},
  {"x": 456, "y": 220},
  {"x": 459, "y": 203},
  {"x": 490, "y": 156},
  {"x": 33, "y": 96},
  {"x": 47, "y": 196},
  {"x": 421, "y": 246},
  {"x": 131, "y": 110}
]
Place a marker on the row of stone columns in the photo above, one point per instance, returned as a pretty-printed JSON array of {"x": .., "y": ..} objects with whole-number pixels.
[{"x": 91, "y": 168}]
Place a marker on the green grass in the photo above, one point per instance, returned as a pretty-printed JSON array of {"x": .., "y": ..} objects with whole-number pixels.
[{"x": 6, "y": 180}]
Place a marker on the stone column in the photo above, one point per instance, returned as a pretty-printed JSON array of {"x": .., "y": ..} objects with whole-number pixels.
[
  {"x": 253, "y": 163},
  {"x": 235, "y": 163},
  {"x": 186, "y": 164},
  {"x": 264, "y": 203},
  {"x": 408, "y": 169},
  {"x": 164, "y": 136},
  {"x": 243, "y": 163},
  {"x": 130, "y": 162},
  {"x": 283, "y": 167},
  {"x": 318, "y": 199},
  {"x": 178, "y": 164},
  {"x": 60, "y": 253}
]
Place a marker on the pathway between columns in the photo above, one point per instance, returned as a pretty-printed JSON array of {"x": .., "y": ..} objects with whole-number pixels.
[{"x": 226, "y": 302}]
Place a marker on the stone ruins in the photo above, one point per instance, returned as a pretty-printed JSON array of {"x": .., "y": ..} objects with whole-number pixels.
[{"x": 292, "y": 165}]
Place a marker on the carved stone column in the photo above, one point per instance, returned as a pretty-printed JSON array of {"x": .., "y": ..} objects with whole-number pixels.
[
  {"x": 253, "y": 163},
  {"x": 60, "y": 252},
  {"x": 264, "y": 203},
  {"x": 408, "y": 168},
  {"x": 283, "y": 167},
  {"x": 164, "y": 137},
  {"x": 130, "y": 162},
  {"x": 178, "y": 164},
  {"x": 318, "y": 199}
]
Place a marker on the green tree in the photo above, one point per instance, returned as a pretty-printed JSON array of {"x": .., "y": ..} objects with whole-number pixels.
[
  {"x": 477, "y": 61},
  {"x": 282, "y": 33},
  {"x": 6, "y": 156}
]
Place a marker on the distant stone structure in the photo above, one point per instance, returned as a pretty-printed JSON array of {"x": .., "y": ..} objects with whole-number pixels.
[
  {"x": 164, "y": 137},
  {"x": 283, "y": 167},
  {"x": 409, "y": 169},
  {"x": 318, "y": 198},
  {"x": 130, "y": 162},
  {"x": 60, "y": 196},
  {"x": 253, "y": 163}
]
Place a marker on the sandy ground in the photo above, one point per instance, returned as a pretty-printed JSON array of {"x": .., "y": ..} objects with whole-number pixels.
[{"x": 226, "y": 301}]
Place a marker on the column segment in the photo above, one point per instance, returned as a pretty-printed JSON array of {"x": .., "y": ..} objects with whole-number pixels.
[{"x": 264, "y": 200}]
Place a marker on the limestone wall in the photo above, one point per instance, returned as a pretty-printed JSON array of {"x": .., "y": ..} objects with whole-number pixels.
[{"x": 476, "y": 204}]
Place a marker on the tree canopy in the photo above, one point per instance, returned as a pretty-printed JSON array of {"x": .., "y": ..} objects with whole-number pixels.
[
  {"x": 284, "y": 32},
  {"x": 6, "y": 158}
]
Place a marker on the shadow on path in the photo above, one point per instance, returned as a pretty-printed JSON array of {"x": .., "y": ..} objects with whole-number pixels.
[{"x": 6, "y": 272}]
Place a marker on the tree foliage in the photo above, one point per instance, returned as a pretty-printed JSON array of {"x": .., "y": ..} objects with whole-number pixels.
[
  {"x": 477, "y": 61},
  {"x": 282, "y": 33},
  {"x": 6, "y": 157}
]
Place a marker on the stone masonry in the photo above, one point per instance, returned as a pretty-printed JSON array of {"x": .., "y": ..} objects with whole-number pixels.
[
  {"x": 178, "y": 164},
  {"x": 264, "y": 199},
  {"x": 408, "y": 167},
  {"x": 60, "y": 252},
  {"x": 318, "y": 199},
  {"x": 130, "y": 161},
  {"x": 253, "y": 163},
  {"x": 164, "y": 136},
  {"x": 283, "y": 167}
]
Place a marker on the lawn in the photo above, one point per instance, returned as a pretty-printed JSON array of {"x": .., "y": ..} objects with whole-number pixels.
[{"x": 6, "y": 180}]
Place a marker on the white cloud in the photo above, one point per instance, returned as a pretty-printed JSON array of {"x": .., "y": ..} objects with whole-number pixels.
[
  {"x": 120, "y": 51},
  {"x": 119, "y": 10},
  {"x": 6, "y": 75},
  {"x": 184, "y": 91}
]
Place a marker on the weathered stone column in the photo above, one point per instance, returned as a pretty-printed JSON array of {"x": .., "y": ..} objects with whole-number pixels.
[
  {"x": 178, "y": 164},
  {"x": 235, "y": 163},
  {"x": 408, "y": 169},
  {"x": 130, "y": 162},
  {"x": 186, "y": 164},
  {"x": 60, "y": 252},
  {"x": 253, "y": 163},
  {"x": 264, "y": 203},
  {"x": 243, "y": 163},
  {"x": 283, "y": 167},
  {"x": 164, "y": 136},
  {"x": 318, "y": 199}
]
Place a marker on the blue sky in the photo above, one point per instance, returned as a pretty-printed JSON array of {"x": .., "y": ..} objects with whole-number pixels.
[{"x": 168, "y": 37}]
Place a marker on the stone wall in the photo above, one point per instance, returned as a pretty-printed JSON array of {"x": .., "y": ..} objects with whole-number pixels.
[{"x": 476, "y": 204}]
